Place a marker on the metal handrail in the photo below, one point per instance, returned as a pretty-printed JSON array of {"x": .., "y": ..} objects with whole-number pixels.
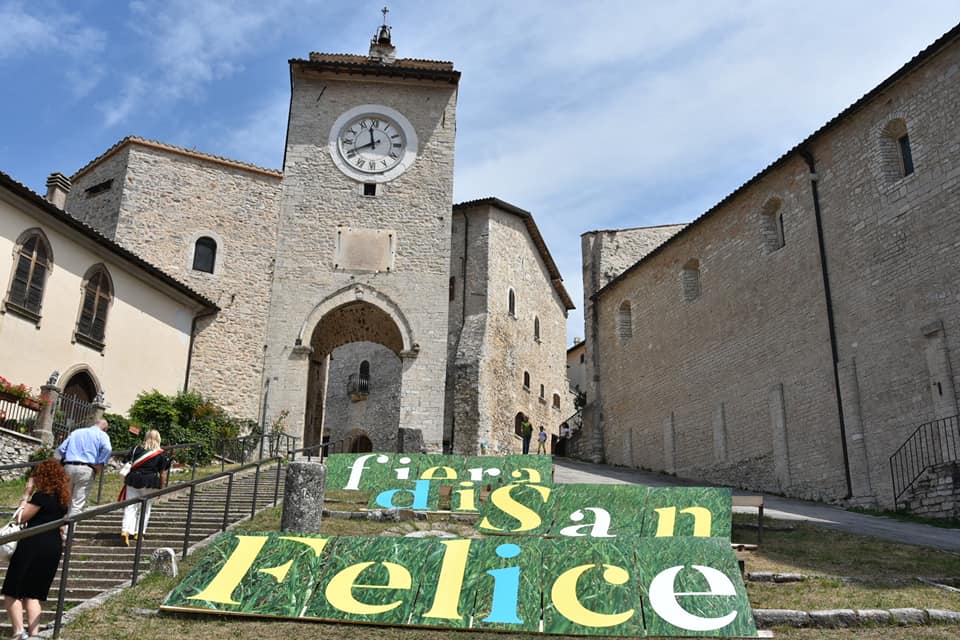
[
  {"x": 931, "y": 443},
  {"x": 322, "y": 450},
  {"x": 71, "y": 521}
]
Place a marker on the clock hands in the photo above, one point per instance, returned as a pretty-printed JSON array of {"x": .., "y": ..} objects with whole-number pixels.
[{"x": 373, "y": 142}]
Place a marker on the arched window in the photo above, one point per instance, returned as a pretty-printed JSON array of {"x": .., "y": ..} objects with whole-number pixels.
[
  {"x": 526, "y": 380},
  {"x": 895, "y": 150},
  {"x": 205, "y": 254},
  {"x": 34, "y": 260},
  {"x": 512, "y": 303},
  {"x": 536, "y": 329},
  {"x": 771, "y": 217},
  {"x": 517, "y": 424},
  {"x": 556, "y": 401},
  {"x": 97, "y": 298},
  {"x": 690, "y": 278},
  {"x": 624, "y": 321}
]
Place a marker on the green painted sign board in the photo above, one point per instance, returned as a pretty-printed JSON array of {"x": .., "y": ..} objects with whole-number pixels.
[{"x": 629, "y": 586}]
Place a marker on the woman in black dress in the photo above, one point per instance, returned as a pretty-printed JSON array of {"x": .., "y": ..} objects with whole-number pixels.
[{"x": 35, "y": 561}]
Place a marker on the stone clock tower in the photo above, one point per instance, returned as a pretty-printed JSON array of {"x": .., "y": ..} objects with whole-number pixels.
[{"x": 363, "y": 251}]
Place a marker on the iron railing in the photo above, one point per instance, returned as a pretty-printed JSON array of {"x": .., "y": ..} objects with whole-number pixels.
[
  {"x": 358, "y": 383},
  {"x": 930, "y": 444},
  {"x": 71, "y": 521},
  {"x": 69, "y": 414},
  {"x": 245, "y": 448},
  {"x": 16, "y": 417},
  {"x": 321, "y": 450}
]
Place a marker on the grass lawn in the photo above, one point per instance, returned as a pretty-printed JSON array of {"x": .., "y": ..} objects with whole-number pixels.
[{"x": 851, "y": 572}]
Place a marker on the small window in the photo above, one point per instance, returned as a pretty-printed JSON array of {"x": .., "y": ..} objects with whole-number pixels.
[
  {"x": 364, "y": 379},
  {"x": 624, "y": 321},
  {"x": 370, "y": 189},
  {"x": 690, "y": 278},
  {"x": 906, "y": 155},
  {"x": 205, "y": 254},
  {"x": 896, "y": 151},
  {"x": 581, "y": 358},
  {"x": 536, "y": 329},
  {"x": 25, "y": 294},
  {"x": 526, "y": 380},
  {"x": 97, "y": 298},
  {"x": 98, "y": 188},
  {"x": 453, "y": 288},
  {"x": 512, "y": 303},
  {"x": 543, "y": 392},
  {"x": 556, "y": 401},
  {"x": 518, "y": 424},
  {"x": 771, "y": 217}
]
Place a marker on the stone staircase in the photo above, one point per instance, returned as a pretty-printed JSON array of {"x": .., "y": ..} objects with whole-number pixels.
[{"x": 99, "y": 561}]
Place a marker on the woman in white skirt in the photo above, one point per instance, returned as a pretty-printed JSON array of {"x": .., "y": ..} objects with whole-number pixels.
[{"x": 148, "y": 471}]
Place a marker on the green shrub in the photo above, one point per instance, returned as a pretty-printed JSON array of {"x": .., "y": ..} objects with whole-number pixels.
[{"x": 185, "y": 417}]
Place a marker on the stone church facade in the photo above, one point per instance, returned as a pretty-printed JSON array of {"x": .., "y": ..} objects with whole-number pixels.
[
  {"x": 794, "y": 336},
  {"x": 354, "y": 298}
]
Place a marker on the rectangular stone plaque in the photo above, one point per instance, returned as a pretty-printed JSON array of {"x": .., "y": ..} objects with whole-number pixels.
[{"x": 364, "y": 249}]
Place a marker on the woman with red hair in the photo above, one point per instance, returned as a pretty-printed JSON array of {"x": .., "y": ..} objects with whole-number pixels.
[{"x": 34, "y": 563}]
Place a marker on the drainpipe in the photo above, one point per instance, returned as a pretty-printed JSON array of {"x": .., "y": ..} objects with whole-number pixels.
[
  {"x": 831, "y": 324},
  {"x": 193, "y": 333}
]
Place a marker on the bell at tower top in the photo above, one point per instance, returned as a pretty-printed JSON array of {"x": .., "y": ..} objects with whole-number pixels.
[{"x": 382, "y": 50}]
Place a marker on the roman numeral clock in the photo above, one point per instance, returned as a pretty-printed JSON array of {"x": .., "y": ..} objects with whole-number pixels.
[{"x": 372, "y": 143}]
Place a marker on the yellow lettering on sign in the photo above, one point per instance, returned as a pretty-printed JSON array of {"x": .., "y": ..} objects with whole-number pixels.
[
  {"x": 221, "y": 588},
  {"x": 449, "y": 473},
  {"x": 467, "y": 497},
  {"x": 339, "y": 590},
  {"x": 564, "y": 596},
  {"x": 223, "y": 584},
  {"x": 528, "y": 518},
  {"x": 446, "y": 601},
  {"x": 667, "y": 521}
]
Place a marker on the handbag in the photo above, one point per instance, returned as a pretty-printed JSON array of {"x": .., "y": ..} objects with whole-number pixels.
[
  {"x": 7, "y": 548},
  {"x": 124, "y": 470}
]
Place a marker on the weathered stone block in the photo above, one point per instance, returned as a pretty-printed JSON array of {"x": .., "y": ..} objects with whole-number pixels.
[{"x": 303, "y": 497}]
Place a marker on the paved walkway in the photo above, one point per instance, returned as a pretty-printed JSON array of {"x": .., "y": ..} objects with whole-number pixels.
[{"x": 824, "y": 515}]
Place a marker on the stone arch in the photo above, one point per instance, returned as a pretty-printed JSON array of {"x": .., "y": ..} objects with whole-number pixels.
[
  {"x": 366, "y": 305},
  {"x": 359, "y": 442},
  {"x": 79, "y": 381}
]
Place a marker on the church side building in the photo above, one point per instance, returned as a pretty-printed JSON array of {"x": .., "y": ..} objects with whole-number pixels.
[{"x": 795, "y": 335}]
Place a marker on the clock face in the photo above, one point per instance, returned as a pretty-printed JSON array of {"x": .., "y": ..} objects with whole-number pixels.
[{"x": 372, "y": 143}]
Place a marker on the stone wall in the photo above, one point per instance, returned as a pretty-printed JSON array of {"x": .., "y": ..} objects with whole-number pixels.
[
  {"x": 100, "y": 210},
  {"x": 937, "y": 493},
  {"x": 722, "y": 368},
  {"x": 606, "y": 254},
  {"x": 15, "y": 448},
  {"x": 375, "y": 414},
  {"x": 893, "y": 258},
  {"x": 169, "y": 201}
]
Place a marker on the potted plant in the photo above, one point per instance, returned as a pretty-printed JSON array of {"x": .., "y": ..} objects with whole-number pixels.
[
  {"x": 12, "y": 392},
  {"x": 35, "y": 402}
]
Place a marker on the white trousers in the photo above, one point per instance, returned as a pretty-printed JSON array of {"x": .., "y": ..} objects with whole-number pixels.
[
  {"x": 131, "y": 512},
  {"x": 81, "y": 480}
]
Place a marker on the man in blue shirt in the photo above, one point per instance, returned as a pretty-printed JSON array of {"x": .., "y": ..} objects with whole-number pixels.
[{"x": 83, "y": 454}]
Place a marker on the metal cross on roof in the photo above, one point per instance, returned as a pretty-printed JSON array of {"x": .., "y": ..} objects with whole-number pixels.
[{"x": 384, "y": 11}]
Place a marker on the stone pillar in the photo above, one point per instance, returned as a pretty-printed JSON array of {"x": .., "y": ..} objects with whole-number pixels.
[
  {"x": 44, "y": 426},
  {"x": 778, "y": 424},
  {"x": 303, "y": 497}
]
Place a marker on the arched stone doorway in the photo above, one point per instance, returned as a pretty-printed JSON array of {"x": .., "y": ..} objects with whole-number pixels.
[
  {"x": 80, "y": 386},
  {"x": 361, "y": 444},
  {"x": 355, "y": 376}
]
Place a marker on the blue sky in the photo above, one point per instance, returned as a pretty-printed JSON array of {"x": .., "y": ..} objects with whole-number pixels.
[{"x": 591, "y": 114}]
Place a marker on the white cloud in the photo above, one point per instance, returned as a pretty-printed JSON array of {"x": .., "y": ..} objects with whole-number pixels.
[{"x": 44, "y": 27}]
